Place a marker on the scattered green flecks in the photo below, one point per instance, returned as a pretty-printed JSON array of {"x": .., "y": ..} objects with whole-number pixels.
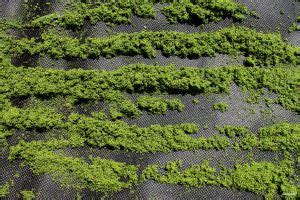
[{"x": 222, "y": 106}]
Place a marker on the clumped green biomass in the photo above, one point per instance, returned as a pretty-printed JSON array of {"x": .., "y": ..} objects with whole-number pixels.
[
  {"x": 259, "y": 48},
  {"x": 264, "y": 178},
  {"x": 204, "y": 11},
  {"x": 81, "y": 84},
  {"x": 159, "y": 105}
]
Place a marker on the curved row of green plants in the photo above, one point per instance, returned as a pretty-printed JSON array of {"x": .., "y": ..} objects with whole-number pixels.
[
  {"x": 99, "y": 131},
  {"x": 107, "y": 176},
  {"x": 259, "y": 48},
  {"x": 121, "y": 12},
  {"x": 264, "y": 178},
  {"x": 79, "y": 84}
]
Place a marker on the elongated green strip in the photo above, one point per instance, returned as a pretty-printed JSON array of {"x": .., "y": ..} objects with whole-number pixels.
[
  {"x": 204, "y": 11},
  {"x": 263, "y": 178},
  {"x": 158, "y": 105},
  {"x": 110, "y": 12},
  {"x": 259, "y": 48},
  {"x": 278, "y": 137},
  {"x": 101, "y": 175},
  {"x": 141, "y": 78},
  {"x": 155, "y": 138},
  {"x": 116, "y": 12}
]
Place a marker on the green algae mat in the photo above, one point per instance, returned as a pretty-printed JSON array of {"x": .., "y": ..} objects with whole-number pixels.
[{"x": 189, "y": 99}]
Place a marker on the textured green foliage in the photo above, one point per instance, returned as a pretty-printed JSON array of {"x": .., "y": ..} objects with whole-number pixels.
[
  {"x": 261, "y": 48},
  {"x": 233, "y": 131},
  {"x": 158, "y": 105},
  {"x": 120, "y": 12},
  {"x": 205, "y": 11},
  {"x": 278, "y": 137},
  {"x": 264, "y": 178},
  {"x": 110, "y": 12},
  {"x": 101, "y": 175},
  {"x": 155, "y": 138},
  {"x": 140, "y": 78},
  {"x": 27, "y": 119},
  {"x": 222, "y": 106},
  {"x": 4, "y": 190},
  {"x": 27, "y": 194}
]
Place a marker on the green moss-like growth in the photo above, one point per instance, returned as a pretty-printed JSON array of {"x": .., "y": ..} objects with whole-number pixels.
[
  {"x": 155, "y": 138},
  {"x": 203, "y": 11},
  {"x": 140, "y": 78},
  {"x": 222, "y": 106},
  {"x": 4, "y": 190},
  {"x": 278, "y": 137},
  {"x": 262, "y": 48},
  {"x": 110, "y": 12},
  {"x": 27, "y": 194},
  {"x": 263, "y": 178},
  {"x": 158, "y": 105},
  {"x": 99, "y": 175},
  {"x": 233, "y": 131}
]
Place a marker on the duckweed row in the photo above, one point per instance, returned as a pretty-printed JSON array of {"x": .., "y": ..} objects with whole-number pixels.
[
  {"x": 101, "y": 175},
  {"x": 117, "y": 12},
  {"x": 203, "y": 11},
  {"x": 81, "y": 84},
  {"x": 261, "y": 49},
  {"x": 159, "y": 105},
  {"x": 100, "y": 132},
  {"x": 263, "y": 178}
]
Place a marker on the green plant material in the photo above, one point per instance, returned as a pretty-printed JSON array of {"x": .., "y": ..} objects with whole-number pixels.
[
  {"x": 263, "y": 178},
  {"x": 203, "y": 11},
  {"x": 101, "y": 175},
  {"x": 196, "y": 101},
  {"x": 264, "y": 49},
  {"x": 110, "y": 12},
  {"x": 233, "y": 131},
  {"x": 4, "y": 190},
  {"x": 158, "y": 105},
  {"x": 27, "y": 194},
  {"x": 283, "y": 136},
  {"x": 222, "y": 106},
  {"x": 3, "y": 135},
  {"x": 278, "y": 137},
  {"x": 27, "y": 119},
  {"x": 140, "y": 78},
  {"x": 155, "y": 138}
]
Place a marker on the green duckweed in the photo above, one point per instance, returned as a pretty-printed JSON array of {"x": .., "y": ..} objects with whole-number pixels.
[
  {"x": 27, "y": 194},
  {"x": 203, "y": 11},
  {"x": 262, "y": 48},
  {"x": 101, "y": 175},
  {"x": 263, "y": 178},
  {"x": 222, "y": 106},
  {"x": 140, "y": 78},
  {"x": 158, "y": 105}
]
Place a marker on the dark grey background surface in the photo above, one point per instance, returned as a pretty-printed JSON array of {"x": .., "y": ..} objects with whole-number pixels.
[{"x": 239, "y": 112}]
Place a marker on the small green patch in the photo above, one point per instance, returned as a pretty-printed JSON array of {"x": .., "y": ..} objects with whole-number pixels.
[{"x": 222, "y": 106}]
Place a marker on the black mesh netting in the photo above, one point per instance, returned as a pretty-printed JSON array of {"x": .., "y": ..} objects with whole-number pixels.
[{"x": 271, "y": 19}]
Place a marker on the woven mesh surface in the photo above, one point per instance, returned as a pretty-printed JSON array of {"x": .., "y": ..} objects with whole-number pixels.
[{"x": 202, "y": 114}]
